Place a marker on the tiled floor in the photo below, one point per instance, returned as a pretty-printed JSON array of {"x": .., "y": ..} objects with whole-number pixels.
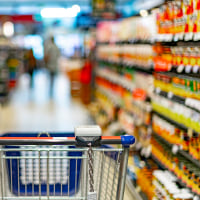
[{"x": 33, "y": 110}]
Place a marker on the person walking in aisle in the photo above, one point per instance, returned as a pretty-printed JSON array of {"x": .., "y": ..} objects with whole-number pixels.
[
  {"x": 30, "y": 65},
  {"x": 51, "y": 56}
]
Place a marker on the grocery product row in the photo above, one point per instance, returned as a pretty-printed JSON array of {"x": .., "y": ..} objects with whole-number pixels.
[
  {"x": 151, "y": 90},
  {"x": 130, "y": 29},
  {"x": 177, "y": 59},
  {"x": 179, "y": 20}
]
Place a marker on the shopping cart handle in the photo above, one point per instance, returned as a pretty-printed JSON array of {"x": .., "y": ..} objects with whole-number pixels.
[{"x": 125, "y": 140}]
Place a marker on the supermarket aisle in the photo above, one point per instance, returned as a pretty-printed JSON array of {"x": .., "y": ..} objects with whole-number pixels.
[{"x": 35, "y": 111}]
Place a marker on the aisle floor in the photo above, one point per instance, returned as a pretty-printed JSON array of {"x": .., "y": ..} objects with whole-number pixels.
[
  {"x": 34, "y": 110},
  {"x": 30, "y": 110}
]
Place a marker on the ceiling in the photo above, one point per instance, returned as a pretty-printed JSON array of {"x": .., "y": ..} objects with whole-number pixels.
[
  {"x": 9, "y": 7},
  {"x": 34, "y": 6}
]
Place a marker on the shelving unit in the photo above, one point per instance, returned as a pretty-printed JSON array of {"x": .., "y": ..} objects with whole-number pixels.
[
  {"x": 181, "y": 126},
  {"x": 170, "y": 104},
  {"x": 11, "y": 63},
  {"x": 183, "y": 153},
  {"x": 128, "y": 65},
  {"x": 179, "y": 152},
  {"x": 181, "y": 100}
]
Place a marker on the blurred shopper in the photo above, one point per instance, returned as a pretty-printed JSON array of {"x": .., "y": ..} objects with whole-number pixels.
[
  {"x": 51, "y": 56},
  {"x": 30, "y": 65}
]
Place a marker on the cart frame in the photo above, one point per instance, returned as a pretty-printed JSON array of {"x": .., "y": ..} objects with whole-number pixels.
[{"x": 85, "y": 181}]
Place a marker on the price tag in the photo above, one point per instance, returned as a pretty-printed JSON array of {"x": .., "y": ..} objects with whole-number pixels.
[
  {"x": 148, "y": 151},
  {"x": 170, "y": 95},
  {"x": 188, "y": 68},
  {"x": 180, "y": 68},
  {"x": 158, "y": 90},
  {"x": 190, "y": 132},
  {"x": 173, "y": 165},
  {"x": 195, "y": 69},
  {"x": 175, "y": 149},
  {"x": 92, "y": 196}
]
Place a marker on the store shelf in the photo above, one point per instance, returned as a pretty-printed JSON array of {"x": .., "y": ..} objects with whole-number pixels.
[
  {"x": 161, "y": 139},
  {"x": 171, "y": 121},
  {"x": 183, "y": 153},
  {"x": 174, "y": 42},
  {"x": 189, "y": 157},
  {"x": 182, "y": 184},
  {"x": 113, "y": 97},
  {"x": 116, "y": 78},
  {"x": 158, "y": 162},
  {"x": 118, "y": 63},
  {"x": 178, "y": 99},
  {"x": 139, "y": 69},
  {"x": 136, "y": 68},
  {"x": 181, "y": 126},
  {"x": 185, "y": 71},
  {"x": 133, "y": 41}
]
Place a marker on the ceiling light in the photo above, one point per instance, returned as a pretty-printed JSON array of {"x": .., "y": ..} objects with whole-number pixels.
[
  {"x": 71, "y": 12},
  {"x": 8, "y": 29},
  {"x": 144, "y": 13},
  {"x": 76, "y": 8},
  {"x": 58, "y": 12}
]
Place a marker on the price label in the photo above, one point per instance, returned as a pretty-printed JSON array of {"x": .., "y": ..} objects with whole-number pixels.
[
  {"x": 170, "y": 95},
  {"x": 195, "y": 69},
  {"x": 175, "y": 149},
  {"x": 180, "y": 68},
  {"x": 188, "y": 68},
  {"x": 158, "y": 90},
  {"x": 190, "y": 132},
  {"x": 148, "y": 151}
]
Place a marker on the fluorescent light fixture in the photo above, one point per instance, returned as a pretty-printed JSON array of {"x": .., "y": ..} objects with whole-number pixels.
[
  {"x": 71, "y": 12},
  {"x": 76, "y": 8},
  {"x": 8, "y": 29},
  {"x": 144, "y": 13},
  {"x": 58, "y": 12}
]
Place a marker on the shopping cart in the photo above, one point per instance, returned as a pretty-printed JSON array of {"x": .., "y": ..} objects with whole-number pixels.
[{"x": 63, "y": 166}]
